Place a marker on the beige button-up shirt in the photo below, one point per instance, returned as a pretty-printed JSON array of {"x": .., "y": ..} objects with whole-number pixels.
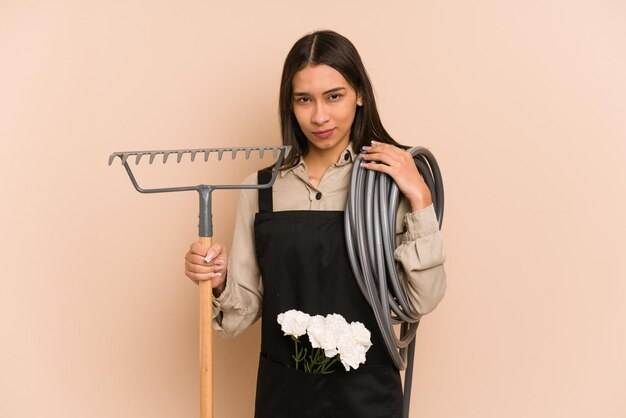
[{"x": 420, "y": 252}]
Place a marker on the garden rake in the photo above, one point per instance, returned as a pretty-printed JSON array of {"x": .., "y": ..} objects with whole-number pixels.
[{"x": 205, "y": 237}]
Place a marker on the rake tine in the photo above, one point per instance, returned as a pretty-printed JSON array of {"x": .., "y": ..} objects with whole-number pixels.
[
  {"x": 219, "y": 154},
  {"x": 275, "y": 152},
  {"x": 193, "y": 155},
  {"x": 261, "y": 152},
  {"x": 179, "y": 156},
  {"x": 152, "y": 155},
  {"x": 165, "y": 155},
  {"x": 124, "y": 158},
  {"x": 138, "y": 158},
  {"x": 248, "y": 151},
  {"x": 234, "y": 152}
]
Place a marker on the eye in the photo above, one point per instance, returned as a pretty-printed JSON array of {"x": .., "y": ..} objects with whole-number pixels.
[
  {"x": 334, "y": 96},
  {"x": 302, "y": 100}
]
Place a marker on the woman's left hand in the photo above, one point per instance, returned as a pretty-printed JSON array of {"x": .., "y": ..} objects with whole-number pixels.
[{"x": 399, "y": 164}]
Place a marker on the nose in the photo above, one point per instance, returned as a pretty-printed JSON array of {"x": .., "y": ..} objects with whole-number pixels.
[{"x": 320, "y": 115}]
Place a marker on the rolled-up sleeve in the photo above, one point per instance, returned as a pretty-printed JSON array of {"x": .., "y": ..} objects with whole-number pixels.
[{"x": 421, "y": 256}]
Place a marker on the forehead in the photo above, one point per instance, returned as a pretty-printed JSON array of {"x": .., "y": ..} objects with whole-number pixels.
[{"x": 317, "y": 79}]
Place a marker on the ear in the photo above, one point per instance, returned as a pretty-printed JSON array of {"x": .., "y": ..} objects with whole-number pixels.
[{"x": 359, "y": 100}]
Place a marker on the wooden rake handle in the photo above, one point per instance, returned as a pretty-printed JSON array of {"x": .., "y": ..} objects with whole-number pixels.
[{"x": 206, "y": 342}]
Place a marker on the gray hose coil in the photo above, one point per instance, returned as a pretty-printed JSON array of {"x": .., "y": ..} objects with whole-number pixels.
[{"x": 370, "y": 221}]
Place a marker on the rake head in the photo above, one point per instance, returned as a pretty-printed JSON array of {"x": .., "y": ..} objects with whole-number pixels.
[{"x": 205, "y": 227}]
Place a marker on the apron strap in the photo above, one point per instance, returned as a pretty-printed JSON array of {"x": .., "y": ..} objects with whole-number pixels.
[{"x": 266, "y": 204}]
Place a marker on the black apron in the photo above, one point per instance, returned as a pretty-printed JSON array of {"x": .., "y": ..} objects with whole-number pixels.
[{"x": 304, "y": 265}]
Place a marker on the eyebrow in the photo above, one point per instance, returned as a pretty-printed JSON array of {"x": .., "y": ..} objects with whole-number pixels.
[{"x": 305, "y": 93}]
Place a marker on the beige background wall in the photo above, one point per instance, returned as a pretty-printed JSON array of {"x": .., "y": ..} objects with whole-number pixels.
[{"x": 522, "y": 102}]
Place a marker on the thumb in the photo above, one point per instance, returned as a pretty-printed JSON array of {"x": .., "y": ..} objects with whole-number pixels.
[{"x": 213, "y": 252}]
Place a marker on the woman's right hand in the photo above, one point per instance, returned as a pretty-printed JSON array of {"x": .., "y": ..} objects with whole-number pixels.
[{"x": 197, "y": 268}]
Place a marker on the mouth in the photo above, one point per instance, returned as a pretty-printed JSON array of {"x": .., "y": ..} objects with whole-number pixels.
[{"x": 324, "y": 134}]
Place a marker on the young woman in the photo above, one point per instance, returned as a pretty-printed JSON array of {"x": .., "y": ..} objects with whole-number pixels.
[{"x": 289, "y": 249}]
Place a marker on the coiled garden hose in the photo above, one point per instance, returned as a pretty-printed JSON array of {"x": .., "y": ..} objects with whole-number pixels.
[{"x": 370, "y": 230}]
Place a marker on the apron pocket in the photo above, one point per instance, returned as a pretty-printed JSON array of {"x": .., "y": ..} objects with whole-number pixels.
[
  {"x": 368, "y": 392},
  {"x": 284, "y": 392}
]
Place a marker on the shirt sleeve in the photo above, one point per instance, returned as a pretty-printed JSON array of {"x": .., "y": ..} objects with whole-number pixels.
[
  {"x": 421, "y": 256},
  {"x": 239, "y": 305}
]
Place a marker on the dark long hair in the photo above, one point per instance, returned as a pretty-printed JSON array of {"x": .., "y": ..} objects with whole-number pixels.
[{"x": 336, "y": 51}]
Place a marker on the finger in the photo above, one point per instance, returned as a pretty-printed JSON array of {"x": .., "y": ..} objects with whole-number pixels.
[
  {"x": 197, "y": 260},
  {"x": 219, "y": 266},
  {"x": 389, "y": 158},
  {"x": 381, "y": 157},
  {"x": 395, "y": 169},
  {"x": 196, "y": 277},
  {"x": 199, "y": 249},
  {"x": 199, "y": 269},
  {"x": 382, "y": 147},
  {"x": 214, "y": 251},
  {"x": 376, "y": 167},
  {"x": 215, "y": 266},
  {"x": 203, "y": 277},
  {"x": 221, "y": 257},
  {"x": 201, "y": 260}
]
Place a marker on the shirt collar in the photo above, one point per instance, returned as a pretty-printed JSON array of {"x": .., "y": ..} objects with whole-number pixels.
[{"x": 347, "y": 157}]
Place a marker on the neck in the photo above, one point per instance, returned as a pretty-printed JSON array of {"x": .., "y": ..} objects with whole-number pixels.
[
  {"x": 321, "y": 159},
  {"x": 324, "y": 158},
  {"x": 318, "y": 161}
]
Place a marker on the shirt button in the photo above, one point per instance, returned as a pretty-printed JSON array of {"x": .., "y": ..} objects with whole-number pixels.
[
  {"x": 347, "y": 156},
  {"x": 318, "y": 196}
]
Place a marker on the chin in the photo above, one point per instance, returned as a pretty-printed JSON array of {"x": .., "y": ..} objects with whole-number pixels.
[{"x": 326, "y": 143}]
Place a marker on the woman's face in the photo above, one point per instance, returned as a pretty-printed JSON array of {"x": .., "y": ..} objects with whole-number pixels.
[{"x": 324, "y": 104}]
